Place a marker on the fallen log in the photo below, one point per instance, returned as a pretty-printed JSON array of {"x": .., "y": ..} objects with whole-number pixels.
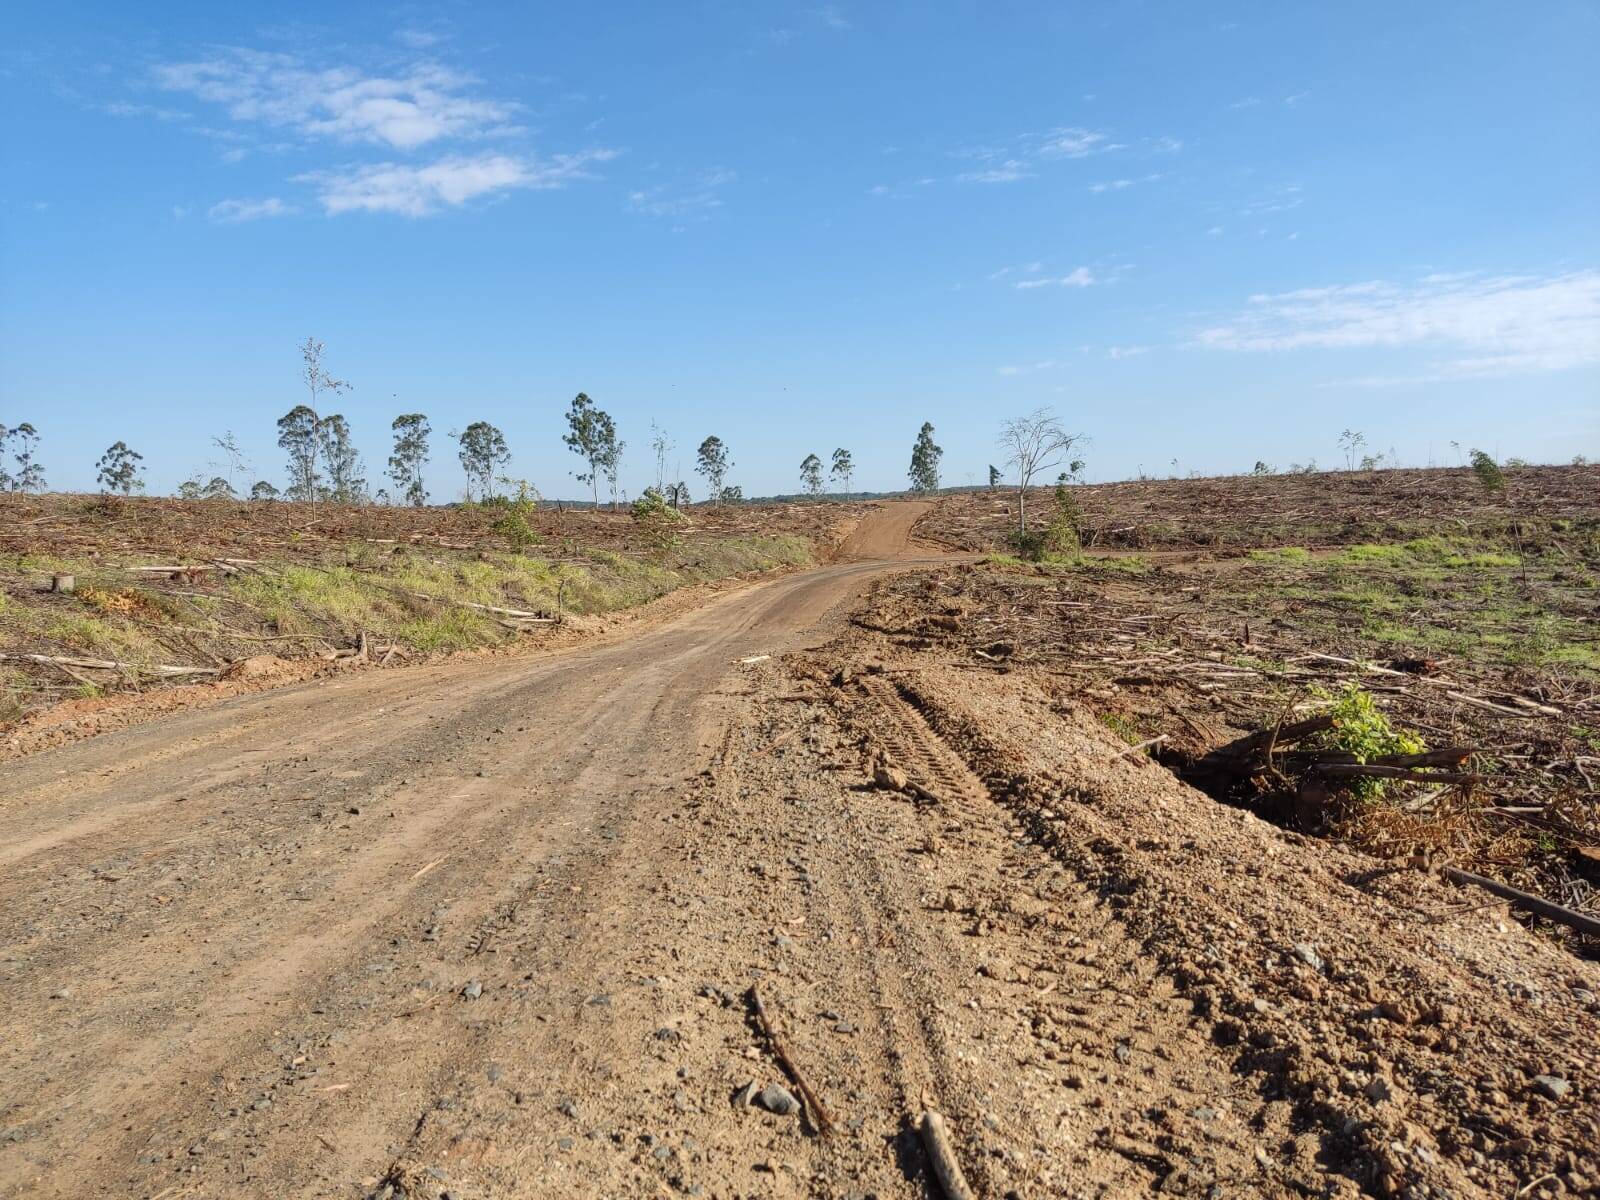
[
  {"x": 1447, "y": 756},
  {"x": 1527, "y": 901},
  {"x": 106, "y": 664},
  {"x": 1374, "y": 770},
  {"x": 180, "y": 572},
  {"x": 530, "y": 618},
  {"x": 1527, "y": 710}
]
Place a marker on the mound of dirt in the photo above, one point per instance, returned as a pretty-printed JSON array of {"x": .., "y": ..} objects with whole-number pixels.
[
  {"x": 1410, "y": 1040},
  {"x": 259, "y": 667}
]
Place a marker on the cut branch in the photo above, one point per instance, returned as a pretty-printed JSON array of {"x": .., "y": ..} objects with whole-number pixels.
[
  {"x": 106, "y": 664},
  {"x": 819, "y": 1114}
]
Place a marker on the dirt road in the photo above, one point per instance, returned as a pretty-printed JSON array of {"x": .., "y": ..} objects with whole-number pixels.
[
  {"x": 488, "y": 929},
  {"x": 236, "y": 941}
]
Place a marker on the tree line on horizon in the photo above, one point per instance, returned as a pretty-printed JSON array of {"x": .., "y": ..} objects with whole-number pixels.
[{"x": 323, "y": 464}]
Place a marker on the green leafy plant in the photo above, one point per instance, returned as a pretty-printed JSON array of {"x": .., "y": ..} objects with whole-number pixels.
[
  {"x": 1362, "y": 729},
  {"x": 658, "y": 520},
  {"x": 1061, "y": 538},
  {"x": 513, "y": 526}
]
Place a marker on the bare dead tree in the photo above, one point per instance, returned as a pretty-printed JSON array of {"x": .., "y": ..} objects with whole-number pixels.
[{"x": 1038, "y": 443}]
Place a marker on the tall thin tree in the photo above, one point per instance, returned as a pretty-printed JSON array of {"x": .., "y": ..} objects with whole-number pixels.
[
  {"x": 843, "y": 470},
  {"x": 483, "y": 448},
  {"x": 713, "y": 462},
  {"x": 297, "y": 435},
  {"x": 1037, "y": 443},
  {"x": 592, "y": 436},
  {"x": 342, "y": 461},
  {"x": 410, "y": 455},
  {"x": 925, "y": 456},
  {"x": 811, "y": 475},
  {"x": 118, "y": 469}
]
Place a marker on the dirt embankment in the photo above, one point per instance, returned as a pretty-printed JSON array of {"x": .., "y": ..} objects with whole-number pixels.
[{"x": 1357, "y": 1028}]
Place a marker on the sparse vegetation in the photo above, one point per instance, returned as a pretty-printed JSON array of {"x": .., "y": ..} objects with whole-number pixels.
[{"x": 1036, "y": 444}]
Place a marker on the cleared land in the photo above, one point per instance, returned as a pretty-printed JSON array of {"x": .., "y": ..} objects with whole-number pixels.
[
  {"x": 264, "y": 591},
  {"x": 489, "y": 925}
]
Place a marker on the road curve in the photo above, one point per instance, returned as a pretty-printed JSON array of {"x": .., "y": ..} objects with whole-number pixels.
[{"x": 191, "y": 907}]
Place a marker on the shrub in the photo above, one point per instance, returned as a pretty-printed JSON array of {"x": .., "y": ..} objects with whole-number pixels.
[
  {"x": 513, "y": 526},
  {"x": 1362, "y": 729},
  {"x": 1060, "y": 538},
  {"x": 657, "y": 519}
]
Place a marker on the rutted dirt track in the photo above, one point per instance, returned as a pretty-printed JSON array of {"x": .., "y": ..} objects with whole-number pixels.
[{"x": 486, "y": 929}]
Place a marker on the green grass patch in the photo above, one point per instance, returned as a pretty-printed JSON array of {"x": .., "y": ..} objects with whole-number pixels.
[
  {"x": 1122, "y": 727},
  {"x": 1281, "y": 554}
]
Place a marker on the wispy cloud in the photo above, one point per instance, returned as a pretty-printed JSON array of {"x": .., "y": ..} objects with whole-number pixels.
[
  {"x": 832, "y": 17},
  {"x": 418, "y": 39},
  {"x": 1118, "y": 352},
  {"x": 1075, "y": 143},
  {"x": 422, "y": 104},
  {"x": 1030, "y": 268},
  {"x": 417, "y": 191},
  {"x": 1479, "y": 325},
  {"x": 122, "y": 108},
  {"x": 1279, "y": 199},
  {"x": 1009, "y": 171},
  {"x": 233, "y": 212},
  {"x": 1022, "y": 157},
  {"x": 696, "y": 198},
  {"x": 1081, "y": 277},
  {"x": 1118, "y": 185}
]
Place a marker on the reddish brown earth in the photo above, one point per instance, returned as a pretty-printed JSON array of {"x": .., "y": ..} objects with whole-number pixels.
[{"x": 487, "y": 927}]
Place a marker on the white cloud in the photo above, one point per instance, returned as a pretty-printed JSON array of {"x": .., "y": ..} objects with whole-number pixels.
[
  {"x": 1485, "y": 326},
  {"x": 1247, "y": 102},
  {"x": 122, "y": 108},
  {"x": 232, "y": 212},
  {"x": 1009, "y": 171},
  {"x": 830, "y": 16},
  {"x": 696, "y": 198},
  {"x": 1117, "y": 185},
  {"x": 1028, "y": 268},
  {"x": 1008, "y": 370},
  {"x": 1127, "y": 351},
  {"x": 1081, "y": 277},
  {"x": 1279, "y": 199},
  {"x": 420, "y": 105},
  {"x": 1075, "y": 143},
  {"x": 416, "y": 191},
  {"x": 418, "y": 39}
]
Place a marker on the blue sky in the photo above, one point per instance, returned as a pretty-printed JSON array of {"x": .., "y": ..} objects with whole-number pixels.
[{"x": 1203, "y": 233}]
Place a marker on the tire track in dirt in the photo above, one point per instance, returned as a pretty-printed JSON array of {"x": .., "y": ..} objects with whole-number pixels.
[{"x": 268, "y": 1001}]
